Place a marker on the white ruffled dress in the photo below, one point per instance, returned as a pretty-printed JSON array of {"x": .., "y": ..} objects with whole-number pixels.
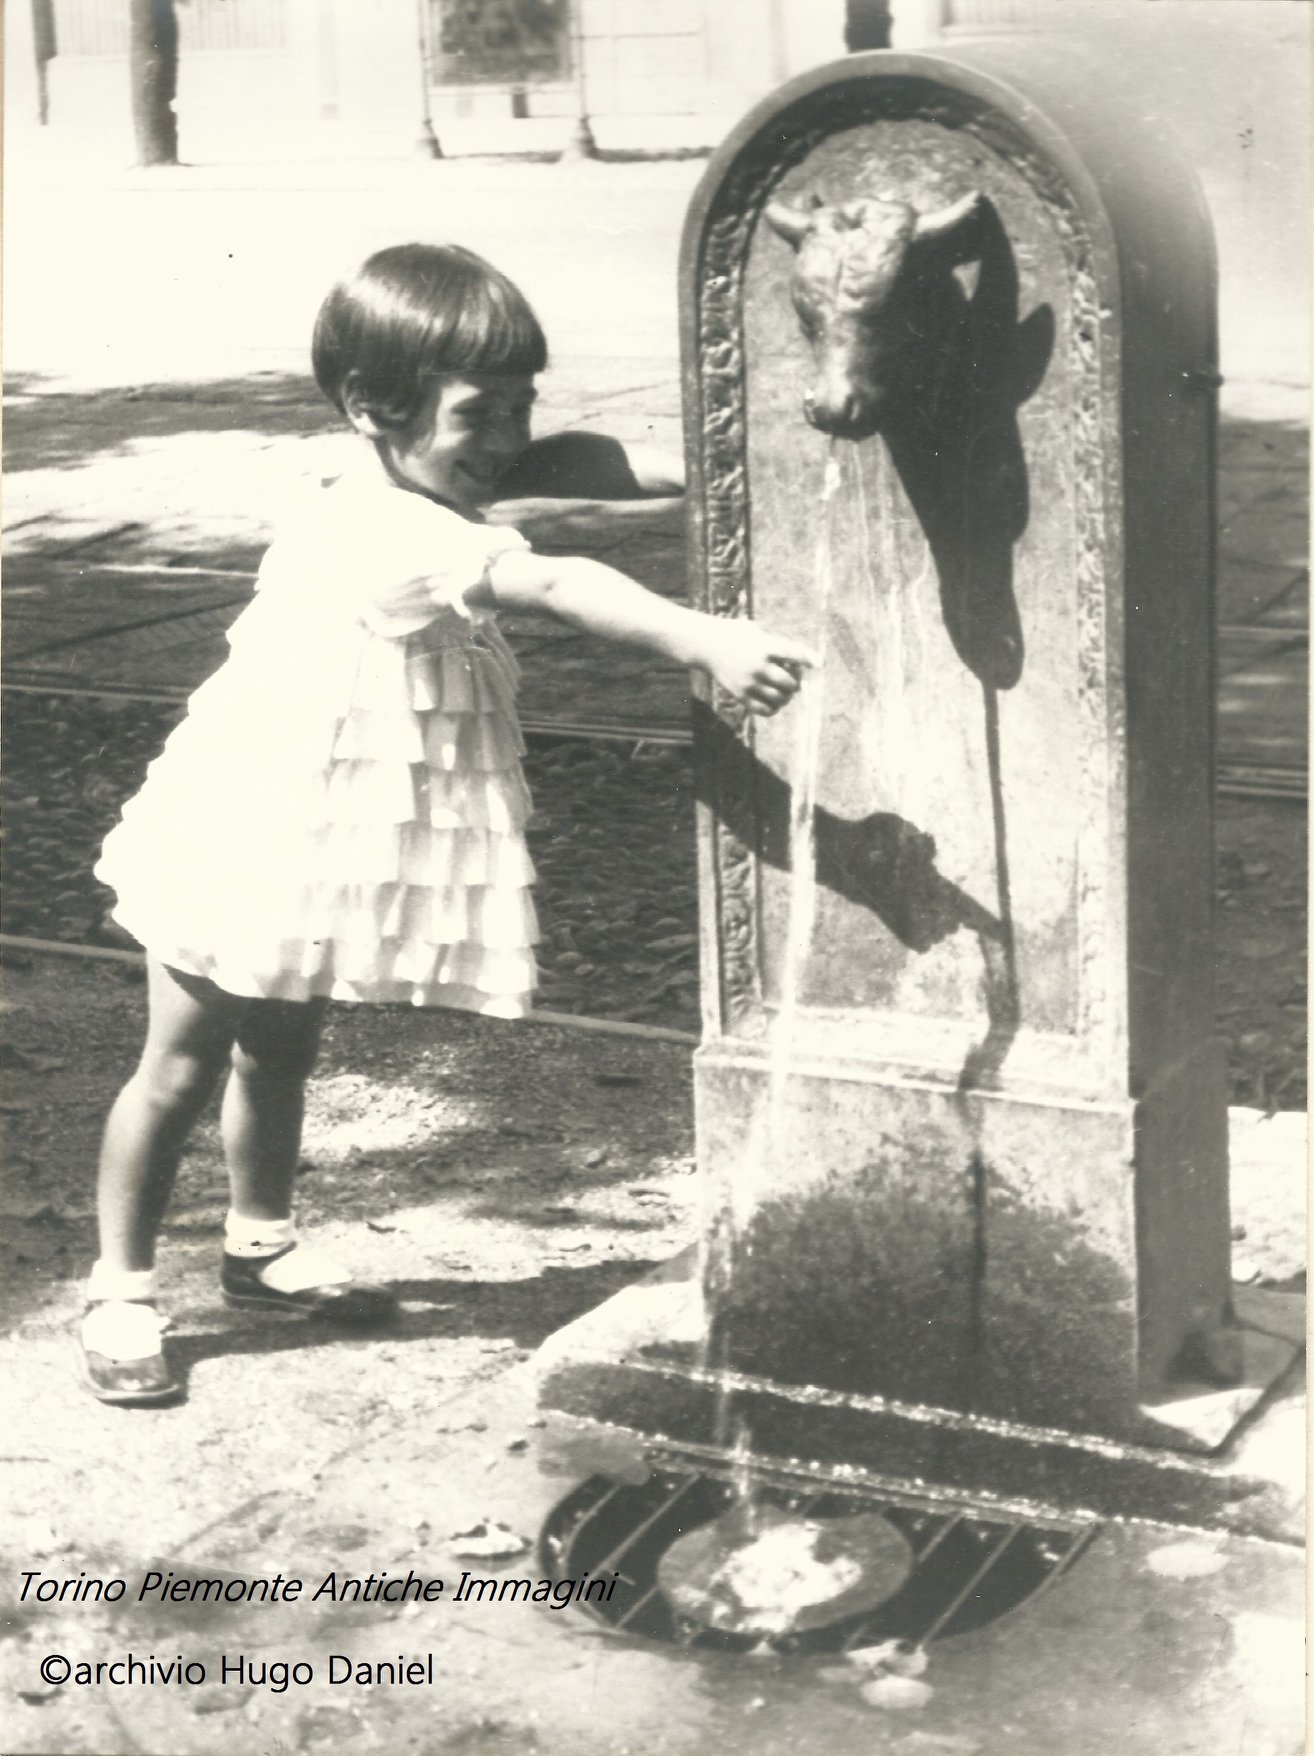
[{"x": 341, "y": 813}]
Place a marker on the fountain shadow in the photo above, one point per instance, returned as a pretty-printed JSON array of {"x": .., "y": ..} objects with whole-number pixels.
[
  {"x": 954, "y": 439},
  {"x": 880, "y": 862}
]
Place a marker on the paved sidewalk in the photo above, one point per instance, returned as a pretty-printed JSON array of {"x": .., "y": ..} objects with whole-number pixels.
[
  {"x": 128, "y": 560},
  {"x": 132, "y": 584}
]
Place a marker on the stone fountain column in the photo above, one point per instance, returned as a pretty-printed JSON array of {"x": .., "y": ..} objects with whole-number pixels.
[{"x": 972, "y": 465}]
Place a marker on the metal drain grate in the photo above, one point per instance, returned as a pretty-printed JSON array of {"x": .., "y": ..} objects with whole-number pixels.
[{"x": 969, "y": 1569}]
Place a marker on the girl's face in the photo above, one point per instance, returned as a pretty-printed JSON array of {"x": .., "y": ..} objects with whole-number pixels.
[{"x": 468, "y": 430}]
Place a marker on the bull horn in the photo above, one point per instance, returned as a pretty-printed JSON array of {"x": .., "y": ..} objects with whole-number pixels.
[
  {"x": 947, "y": 219},
  {"x": 791, "y": 224}
]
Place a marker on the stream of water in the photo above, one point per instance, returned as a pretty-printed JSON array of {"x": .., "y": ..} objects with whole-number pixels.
[{"x": 768, "y": 1134}]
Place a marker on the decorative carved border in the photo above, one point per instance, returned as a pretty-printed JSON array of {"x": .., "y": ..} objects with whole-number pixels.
[
  {"x": 781, "y": 144},
  {"x": 727, "y": 558}
]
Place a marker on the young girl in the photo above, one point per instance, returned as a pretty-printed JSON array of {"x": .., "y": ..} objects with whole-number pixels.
[{"x": 340, "y": 816}]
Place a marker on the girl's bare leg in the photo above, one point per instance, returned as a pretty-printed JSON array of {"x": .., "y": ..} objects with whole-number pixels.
[
  {"x": 273, "y": 1053},
  {"x": 264, "y": 1102},
  {"x": 195, "y": 1031},
  {"x": 188, "y": 1037}
]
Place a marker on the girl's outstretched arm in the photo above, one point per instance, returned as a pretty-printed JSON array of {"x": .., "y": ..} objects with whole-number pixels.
[{"x": 762, "y": 670}]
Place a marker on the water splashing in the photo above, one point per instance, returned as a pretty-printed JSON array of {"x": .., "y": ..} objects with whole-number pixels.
[{"x": 741, "y": 1471}]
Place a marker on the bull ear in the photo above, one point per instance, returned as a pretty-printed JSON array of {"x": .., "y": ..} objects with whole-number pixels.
[
  {"x": 790, "y": 223},
  {"x": 947, "y": 220}
]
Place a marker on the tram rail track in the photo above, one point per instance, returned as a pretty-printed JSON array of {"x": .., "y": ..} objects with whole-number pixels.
[
  {"x": 619, "y": 955},
  {"x": 1239, "y": 779}
]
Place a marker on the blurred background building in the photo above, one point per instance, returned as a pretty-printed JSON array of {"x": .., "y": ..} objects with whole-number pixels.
[{"x": 271, "y": 80}]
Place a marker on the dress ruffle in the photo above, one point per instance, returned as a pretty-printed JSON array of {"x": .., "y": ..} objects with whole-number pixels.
[{"x": 343, "y": 818}]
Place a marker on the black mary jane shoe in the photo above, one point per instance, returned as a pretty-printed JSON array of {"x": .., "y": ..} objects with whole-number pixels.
[
  {"x": 138, "y": 1382},
  {"x": 355, "y": 1304}
]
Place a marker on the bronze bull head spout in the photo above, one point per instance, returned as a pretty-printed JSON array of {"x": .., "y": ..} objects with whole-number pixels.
[{"x": 875, "y": 297}]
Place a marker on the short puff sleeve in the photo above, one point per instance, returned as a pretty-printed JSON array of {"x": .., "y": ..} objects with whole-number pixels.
[{"x": 413, "y": 559}]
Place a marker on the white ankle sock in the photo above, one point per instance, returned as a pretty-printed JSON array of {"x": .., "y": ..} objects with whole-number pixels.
[
  {"x": 128, "y": 1284},
  {"x": 123, "y": 1330},
  {"x": 257, "y": 1237},
  {"x": 297, "y": 1268},
  {"x": 304, "y": 1266}
]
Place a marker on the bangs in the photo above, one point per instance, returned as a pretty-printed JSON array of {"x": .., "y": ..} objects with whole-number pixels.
[
  {"x": 492, "y": 329},
  {"x": 414, "y": 312}
]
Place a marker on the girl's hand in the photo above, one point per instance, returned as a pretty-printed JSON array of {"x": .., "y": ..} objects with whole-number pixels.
[{"x": 762, "y": 670}]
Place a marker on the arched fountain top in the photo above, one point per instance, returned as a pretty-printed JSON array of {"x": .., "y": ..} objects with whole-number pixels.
[{"x": 1136, "y": 198}]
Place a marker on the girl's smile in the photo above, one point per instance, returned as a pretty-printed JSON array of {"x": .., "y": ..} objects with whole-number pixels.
[{"x": 468, "y": 430}]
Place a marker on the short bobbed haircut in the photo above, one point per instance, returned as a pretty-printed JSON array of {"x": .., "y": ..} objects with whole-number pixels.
[{"x": 415, "y": 311}]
